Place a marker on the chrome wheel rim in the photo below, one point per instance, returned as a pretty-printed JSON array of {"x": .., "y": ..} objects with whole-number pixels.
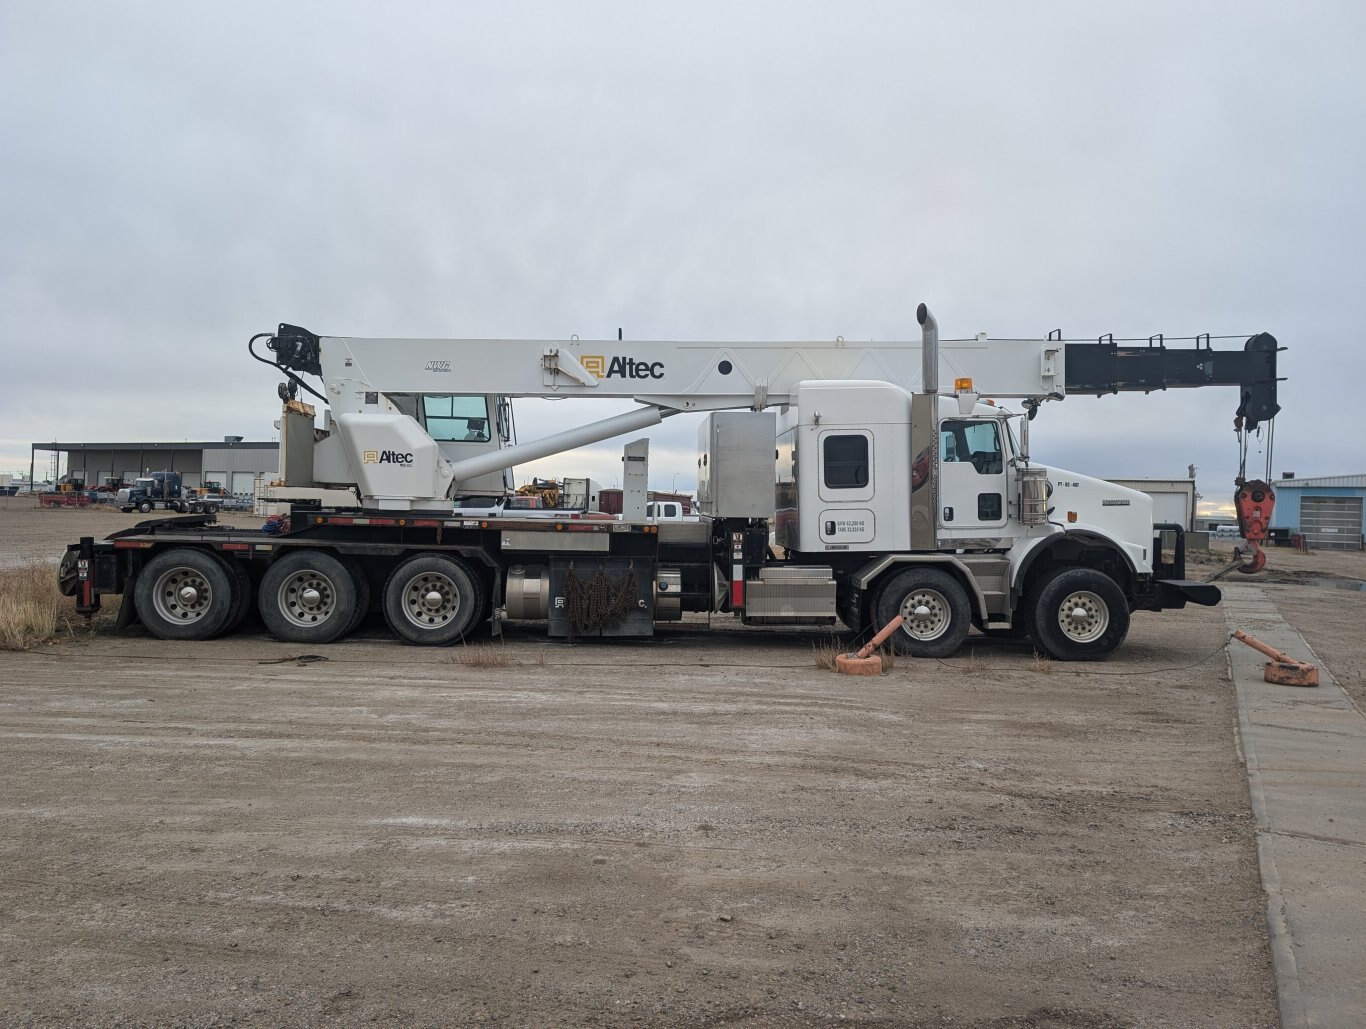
[
  {"x": 1083, "y": 616},
  {"x": 307, "y": 598},
  {"x": 430, "y": 600},
  {"x": 182, "y": 595},
  {"x": 925, "y": 614}
]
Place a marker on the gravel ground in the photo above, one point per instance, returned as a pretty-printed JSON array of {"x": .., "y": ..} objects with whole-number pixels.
[{"x": 701, "y": 829}]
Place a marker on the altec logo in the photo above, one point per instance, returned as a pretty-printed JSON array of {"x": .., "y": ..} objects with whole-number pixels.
[
  {"x": 622, "y": 367},
  {"x": 386, "y": 457}
]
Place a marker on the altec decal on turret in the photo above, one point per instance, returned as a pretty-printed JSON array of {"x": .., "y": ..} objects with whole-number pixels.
[
  {"x": 622, "y": 367},
  {"x": 387, "y": 457}
]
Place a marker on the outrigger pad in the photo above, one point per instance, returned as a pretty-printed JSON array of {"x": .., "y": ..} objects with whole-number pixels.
[{"x": 1178, "y": 592}]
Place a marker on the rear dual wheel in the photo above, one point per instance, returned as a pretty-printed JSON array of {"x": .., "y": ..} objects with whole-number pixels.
[
  {"x": 433, "y": 599},
  {"x": 187, "y": 594},
  {"x": 934, "y": 608},
  {"x": 312, "y": 597}
]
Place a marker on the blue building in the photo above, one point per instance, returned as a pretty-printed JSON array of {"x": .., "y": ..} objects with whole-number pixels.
[{"x": 1327, "y": 510}]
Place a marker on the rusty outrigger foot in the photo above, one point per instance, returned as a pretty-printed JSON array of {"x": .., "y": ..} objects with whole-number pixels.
[{"x": 1282, "y": 669}]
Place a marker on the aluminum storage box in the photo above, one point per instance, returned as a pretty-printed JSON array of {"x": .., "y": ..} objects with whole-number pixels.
[{"x": 735, "y": 466}]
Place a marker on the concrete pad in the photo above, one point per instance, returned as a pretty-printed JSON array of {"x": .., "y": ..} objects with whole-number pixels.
[{"x": 1306, "y": 763}]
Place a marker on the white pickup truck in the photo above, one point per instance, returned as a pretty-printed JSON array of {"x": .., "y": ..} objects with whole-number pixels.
[{"x": 668, "y": 511}]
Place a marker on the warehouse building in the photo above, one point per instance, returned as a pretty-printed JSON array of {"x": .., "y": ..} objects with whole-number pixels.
[
  {"x": 240, "y": 466},
  {"x": 1173, "y": 499},
  {"x": 1328, "y": 511}
]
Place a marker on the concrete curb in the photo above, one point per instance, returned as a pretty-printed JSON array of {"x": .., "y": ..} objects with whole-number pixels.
[{"x": 1305, "y": 751}]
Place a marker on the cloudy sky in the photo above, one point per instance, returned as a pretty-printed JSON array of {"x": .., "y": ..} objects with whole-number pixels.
[{"x": 177, "y": 176}]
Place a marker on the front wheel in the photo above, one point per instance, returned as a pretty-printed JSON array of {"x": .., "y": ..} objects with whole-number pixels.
[
  {"x": 432, "y": 599},
  {"x": 1079, "y": 614},
  {"x": 185, "y": 594},
  {"x": 934, "y": 608},
  {"x": 145, "y": 506}
]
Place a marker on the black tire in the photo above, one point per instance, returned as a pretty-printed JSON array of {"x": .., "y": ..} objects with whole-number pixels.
[
  {"x": 242, "y": 594},
  {"x": 184, "y": 594},
  {"x": 307, "y": 596},
  {"x": 362, "y": 583},
  {"x": 432, "y": 599},
  {"x": 211, "y": 509},
  {"x": 935, "y": 607},
  {"x": 1078, "y": 614},
  {"x": 145, "y": 506}
]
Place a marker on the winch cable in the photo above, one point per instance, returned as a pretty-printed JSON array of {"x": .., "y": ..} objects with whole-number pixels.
[{"x": 251, "y": 349}]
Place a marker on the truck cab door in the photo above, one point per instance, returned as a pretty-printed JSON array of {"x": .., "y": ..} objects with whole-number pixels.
[{"x": 972, "y": 478}]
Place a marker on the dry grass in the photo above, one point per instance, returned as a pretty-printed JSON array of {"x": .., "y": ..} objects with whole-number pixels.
[
  {"x": 481, "y": 655},
  {"x": 825, "y": 652},
  {"x": 1041, "y": 664},
  {"x": 888, "y": 658},
  {"x": 32, "y": 609},
  {"x": 973, "y": 663}
]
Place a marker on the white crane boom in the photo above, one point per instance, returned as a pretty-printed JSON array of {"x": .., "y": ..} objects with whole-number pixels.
[{"x": 673, "y": 375}]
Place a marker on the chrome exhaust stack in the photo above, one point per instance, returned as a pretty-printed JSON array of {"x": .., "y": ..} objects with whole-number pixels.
[{"x": 929, "y": 350}]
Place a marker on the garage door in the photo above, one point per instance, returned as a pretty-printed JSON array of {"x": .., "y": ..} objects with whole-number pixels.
[
  {"x": 1331, "y": 523},
  {"x": 243, "y": 484}
]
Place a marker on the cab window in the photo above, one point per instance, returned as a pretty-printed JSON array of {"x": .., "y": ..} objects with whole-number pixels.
[
  {"x": 972, "y": 442},
  {"x": 456, "y": 418},
  {"x": 846, "y": 462}
]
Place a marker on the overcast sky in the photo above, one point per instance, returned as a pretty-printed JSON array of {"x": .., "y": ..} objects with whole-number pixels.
[{"x": 177, "y": 176}]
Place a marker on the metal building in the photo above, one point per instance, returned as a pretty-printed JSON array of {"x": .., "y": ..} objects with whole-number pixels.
[
  {"x": 1173, "y": 499},
  {"x": 238, "y": 465},
  {"x": 1329, "y": 510}
]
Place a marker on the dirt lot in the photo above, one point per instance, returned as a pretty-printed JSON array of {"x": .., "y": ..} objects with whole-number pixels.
[{"x": 700, "y": 829}]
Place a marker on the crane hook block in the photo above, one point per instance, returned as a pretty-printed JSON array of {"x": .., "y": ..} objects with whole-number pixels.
[{"x": 1253, "y": 503}]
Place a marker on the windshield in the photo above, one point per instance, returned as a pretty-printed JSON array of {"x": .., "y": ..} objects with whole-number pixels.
[{"x": 456, "y": 418}]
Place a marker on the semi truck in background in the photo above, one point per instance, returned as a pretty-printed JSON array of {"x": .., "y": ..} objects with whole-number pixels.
[
  {"x": 148, "y": 492},
  {"x": 837, "y": 482},
  {"x": 167, "y": 490}
]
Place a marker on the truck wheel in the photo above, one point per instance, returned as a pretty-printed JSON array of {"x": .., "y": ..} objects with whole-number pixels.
[
  {"x": 211, "y": 509},
  {"x": 362, "y": 584},
  {"x": 432, "y": 599},
  {"x": 1078, "y": 614},
  {"x": 184, "y": 594},
  {"x": 145, "y": 506},
  {"x": 241, "y": 595},
  {"x": 935, "y": 610},
  {"x": 307, "y": 597}
]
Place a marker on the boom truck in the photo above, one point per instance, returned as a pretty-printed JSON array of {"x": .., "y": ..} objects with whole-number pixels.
[{"x": 837, "y": 483}]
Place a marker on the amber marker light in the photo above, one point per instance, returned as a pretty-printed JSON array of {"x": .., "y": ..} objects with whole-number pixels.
[
  {"x": 962, "y": 385},
  {"x": 1071, "y": 516}
]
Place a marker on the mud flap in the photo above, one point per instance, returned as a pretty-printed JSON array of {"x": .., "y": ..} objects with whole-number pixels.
[{"x": 128, "y": 612}]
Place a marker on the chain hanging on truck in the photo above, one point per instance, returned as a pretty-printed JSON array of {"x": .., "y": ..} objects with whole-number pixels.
[{"x": 594, "y": 604}]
